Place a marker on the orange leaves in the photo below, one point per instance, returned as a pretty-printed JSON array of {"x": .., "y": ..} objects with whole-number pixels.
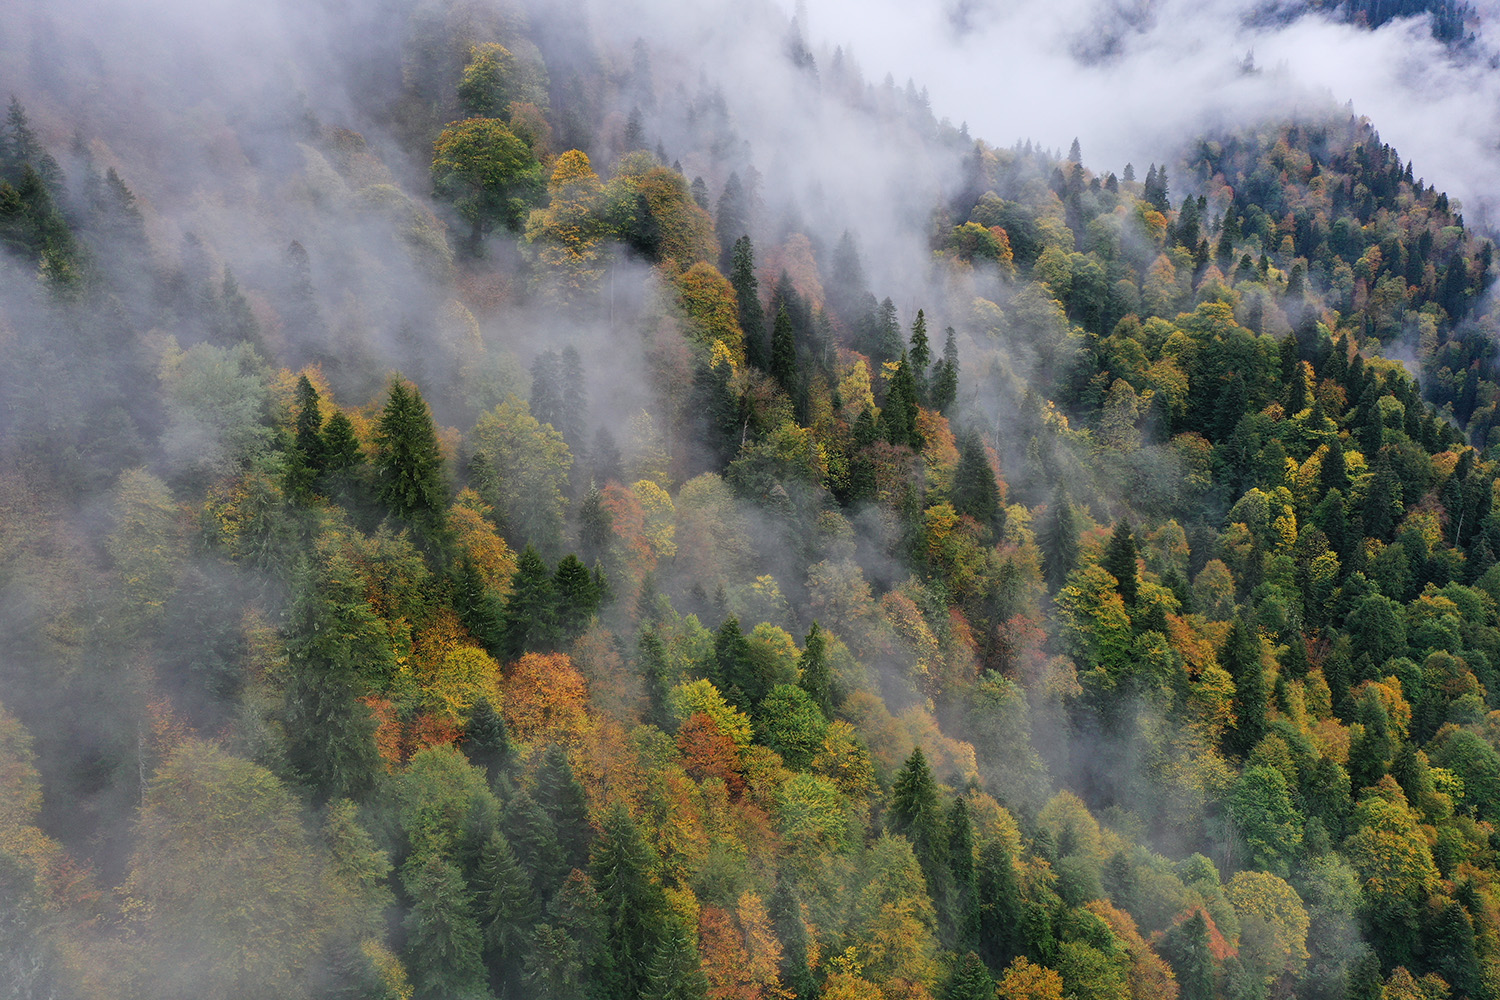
[
  {"x": 708, "y": 753},
  {"x": 740, "y": 952},
  {"x": 546, "y": 700}
]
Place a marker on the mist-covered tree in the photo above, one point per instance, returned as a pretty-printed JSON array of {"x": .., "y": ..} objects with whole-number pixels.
[
  {"x": 634, "y": 908},
  {"x": 443, "y": 937},
  {"x": 945, "y": 375},
  {"x": 488, "y": 174},
  {"x": 975, "y": 491},
  {"x": 1058, "y": 538},
  {"x": 529, "y": 623},
  {"x": 1119, "y": 560},
  {"x": 747, "y": 294},
  {"x": 816, "y": 677},
  {"x": 408, "y": 461}
]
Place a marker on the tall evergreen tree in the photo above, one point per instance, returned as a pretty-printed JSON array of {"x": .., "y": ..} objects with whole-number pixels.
[
  {"x": 1001, "y": 909},
  {"x": 735, "y": 675},
  {"x": 530, "y": 619},
  {"x": 731, "y": 220},
  {"x": 408, "y": 462},
  {"x": 747, "y": 294},
  {"x": 786, "y": 913},
  {"x": 506, "y": 912},
  {"x": 486, "y": 740},
  {"x": 898, "y": 419},
  {"x": 1241, "y": 659},
  {"x": 784, "y": 352},
  {"x": 816, "y": 677},
  {"x": 1185, "y": 946},
  {"x": 916, "y": 814},
  {"x": 1119, "y": 560},
  {"x": 975, "y": 491},
  {"x": 962, "y": 864},
  {"x": 920, "y": 356},
  {"x": 563, "y": 797},
  {"x": 1058, "y": 539},
  {"x": 577, "y": 596},
  {"x": 443, "y": 939},
  {"x": 634, "y": 908},
  {"x": 945, "y": 376}
]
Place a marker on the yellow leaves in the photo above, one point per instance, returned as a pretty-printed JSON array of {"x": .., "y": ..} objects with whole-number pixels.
[
  {"x": 463, "y": 676},
  {"x": 546, "y": 700},
  {"x": 702, "y": 696},
  {"x": 479, "y": 540},
  {"x": 572, "y": 168},
  {"x": 707, "y": 299},
  {"x": 1026, "y": 981},
  {"x": 657, "y": 518},
  {"x": 1273, "y": 922}
]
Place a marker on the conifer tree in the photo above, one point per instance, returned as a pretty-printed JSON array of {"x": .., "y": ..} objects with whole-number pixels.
[
  {"x": 675, "y": 971},
  {"x": 1119, "y": 560},
  {"x": 898, "y": 420},
  {"x": 731, "y": 220},
  {"x": 783, "y": 366},
  {"x": 945, "y": 376},
  {"x": 408, "y": 462},
  {"x": 534, "y": 838},
  {"x": 735, "y": 671},
  {"x": 920, "y": 356},
  {"x": 577, "y": 596},
  {"x": 786, "y": 913},
  {"x": 816, "y": 678},
  {"x": 486, "y": 740},
  {"x": 1241, "y": 659},
  {"x": 443, "y": 939},
  {"x": 1001, "y": 910},
  {"x": 595, "y": 527},
  {"x": 1185, "y": 946},
  {"x": 961, "y": 863},
  {"x": 506, "y": 912},
  {"x": 563, "y": 798},
  {"x": 975, "y": 491},
  {"x": 916, "y": 814},
  {"x": 1058, "y": 538},
  {"x": 969, "y": 980},
  {"x": 747, "y": 294},
  {"x": 530, "y": 619},
  {"x": 634, "y": 908},
  {"x": 653, "y": 669}
]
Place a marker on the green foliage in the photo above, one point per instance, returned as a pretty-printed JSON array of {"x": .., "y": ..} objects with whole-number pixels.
[
  {"x": 487, "y": 172},
  {"x": 408, "y": 463}
]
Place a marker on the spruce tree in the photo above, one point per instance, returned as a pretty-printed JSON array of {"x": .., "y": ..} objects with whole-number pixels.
[
  {"x": 1058, "y": 539},
  {"x": 961, "y": 863},
  {"x": 486, "y": 740},
  {"x": 731, "y": 221},
  {"x": 443, "y": 939},
  {"x": 786, "y": 913},
  {"x": 1119, "y": 560},
  {"x": 816, "y": 678},
  {"x": 530, "y": 619},
  {"x": 506, "y": 911},
  {"x": 975, "y": 491},
  {"x": 1001, "y": 910},
  {"x": 1241, "y": 659},
  {"x": 735, "y": 675},
  {"x": 920, "y": 355},
  {"x": 634, "y": 908},
  {"x": 968, "y": 980},
  {"x": 595, "y": 527},
  {"x": 675, "y": 971},
  {"x": 747, "y": 294},
  {"x": 784, "y": 352},
  {"x": 945, "y": 376},
  {"x": 409, "y": 463},
  {"x": 1185, "y": 946},
  {"x": 577, "y": 597},
  {"x": 653, "y": 669},
  {"x": 898, "y": 420},
  {"x": 563, "y": 798},
  {"x": 916, "y": 814}
]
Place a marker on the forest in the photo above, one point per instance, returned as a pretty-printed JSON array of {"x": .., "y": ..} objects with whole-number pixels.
[{"x": 547, "y": 543}]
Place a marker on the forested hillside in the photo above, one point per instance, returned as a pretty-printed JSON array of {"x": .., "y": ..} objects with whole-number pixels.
[{"x": 526, "y": 523}]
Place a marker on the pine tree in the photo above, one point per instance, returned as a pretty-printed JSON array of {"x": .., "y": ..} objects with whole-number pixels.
[
  {"x": 784, "y": 352},
  {"x": 969, "y": 980},
  {"x": 945, "y": 376},
  {"x": 530, "y": 619},
  {"x": 1001, "y": 910},
  {"x": 786, "y": 912},
  {"x": 1185, "y": 946},
  {"x": 1058, "y": 539},
  {"x": 816, "y": 678},
  {"x": 747, "y": 294},
  {"x": 1119, "y": 560},
  {"x": 653, "y": 669},
  {"x": 731, "y": 220},
  {"x": 1241, "y": 659},
  {"x": 920, "y": 355},
  {"x": 305, "y": 459},
  {"x": 595, "y": 527},
  {"x": 477, "y": 605},
  {"x": 408, "y": 463},
  {"x": 443, "y": 939},
  {"x": 675, "y": 971},
  {"x": 534, "y": 838}
]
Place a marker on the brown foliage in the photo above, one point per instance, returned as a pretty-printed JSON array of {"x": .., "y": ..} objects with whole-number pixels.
[{"x": 708, "y": 753}]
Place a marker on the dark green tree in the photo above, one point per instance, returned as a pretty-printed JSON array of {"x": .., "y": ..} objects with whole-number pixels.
[
  {"x": 443, "y": 939},
  {"x": 747, "y": 293},
  {"x": 577, "y": 596},
  {"x": 961, "y": 863},
  {"x": 784, "y": 352},
  {"x": 1057, "y": 537},
  {"x": 916, "y": 814},
  {"x": 530, "y": 619},
  {"x": 1001, "y": 908},
  {"x": 968, "y": 980},
  {"x": 945, "y": 376},
  {"x": 975, "y": 491},
  {"x": 563, "y": 797},
  {"x": 1119, "y": 561},
  {"x": 635, "y": 910},
  {"x": 675, "y": 971},
  {"x": 486, "y": 740},
  {"x": 1242, "y": 660},
  {"x": 816, "y": 676},
  {"x": 735, "y": 673},
  {"x": 408, "y": 461},
  {"x": 506, "y": 912},
  {"x": 898, "y": 419},
  {"x": 1185, "y": 947},
  {"x": 920, "y": 355}
]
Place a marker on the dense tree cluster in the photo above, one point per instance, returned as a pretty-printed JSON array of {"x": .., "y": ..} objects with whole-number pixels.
[{"x": 1136, "y": 636}]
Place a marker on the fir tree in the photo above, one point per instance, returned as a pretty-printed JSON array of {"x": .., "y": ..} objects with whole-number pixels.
[
  {"x": 408, "y": 462},
  {"x": 945, "y": 376},
  {"x": 530, "y": 619},
  {"x": 961, "y": 863},
  {"x": 486, "y": 740},
  {"x": 634, "y": 908},
  {"x": 1058, "y": 539},
  {"x": 1241, "y": 659},
  {"x": 920, "y": 355},
  {"x": 969, "y": 979},
  {"x": 816, "y": 678},
  {"x": 916, "y": 814},
  {"x": 898, "y": 420},
  {"x": 1119, "y": 560},
  {"x": 443, "y": 939},
  {"x": 975, "y": 491},
  {"x": 563, "y": 798},
  {"x": 577, "y": 596},
  {"x": 783, "y": 366},
  {"x": 506, "y": 912},
  {"x": 747, "y": 294},
  {"x": 735, "y": 674},
  {"x": 1001, "y": 911}
]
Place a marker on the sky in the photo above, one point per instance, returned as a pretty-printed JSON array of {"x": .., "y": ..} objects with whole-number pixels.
[{"x": 1133, "y": 78}]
